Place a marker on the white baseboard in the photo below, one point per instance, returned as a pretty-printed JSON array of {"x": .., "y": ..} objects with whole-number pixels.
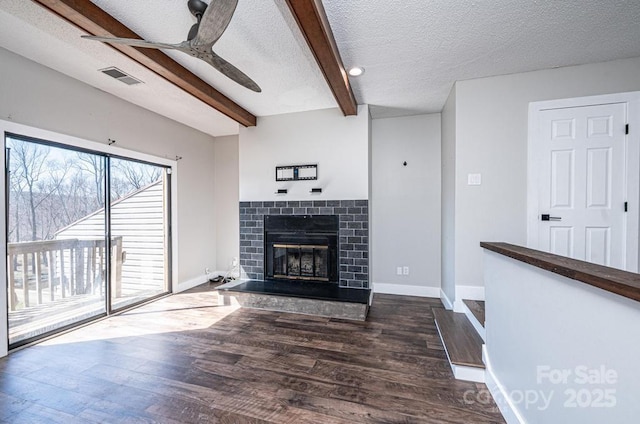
[
  {"x": 499, "y": 393},
  {"x": 189, "y": 284},
  {"x": 470, "y": 292},
  {"x": 477, "y": 375},
  {"x": 445, "y": 300},
  {"x": 458, "y": 306},
  {"x": 406, "y": 290}
]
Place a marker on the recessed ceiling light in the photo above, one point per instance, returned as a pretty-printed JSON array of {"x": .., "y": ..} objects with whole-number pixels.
[{"x": 356, "y": 71}]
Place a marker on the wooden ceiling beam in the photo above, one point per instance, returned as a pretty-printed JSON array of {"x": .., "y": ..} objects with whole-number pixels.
[
  {"x": 313, "y": 23},
  {"x": 95, "y": 21}
]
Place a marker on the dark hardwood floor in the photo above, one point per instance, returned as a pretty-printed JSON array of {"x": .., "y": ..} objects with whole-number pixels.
[
  {"x": 183, "y": 359},
  {"x": 477, "y": 308},
  {"x": 463, "y": 343}
]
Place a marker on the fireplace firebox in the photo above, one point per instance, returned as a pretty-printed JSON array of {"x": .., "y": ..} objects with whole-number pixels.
[{"x": 301, "y": 247}]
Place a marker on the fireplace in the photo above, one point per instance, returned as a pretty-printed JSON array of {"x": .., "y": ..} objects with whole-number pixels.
[
  {"x": 301, "y": 247},
  {"x": 352, "y": 238}
]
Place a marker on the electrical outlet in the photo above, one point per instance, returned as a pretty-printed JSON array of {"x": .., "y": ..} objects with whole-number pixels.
[
  {"x": 405, "y": 270},
  {"x": 234, "y": 261},
  {"x": 399, "y": 270},
  {"x": 207, "y": 271}
]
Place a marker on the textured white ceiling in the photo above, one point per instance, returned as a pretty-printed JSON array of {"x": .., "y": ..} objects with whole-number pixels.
[
  {"x": 262, "y": 40},
  {"x": 30, "y": 31},
  {"x": 412, "y": 50}
]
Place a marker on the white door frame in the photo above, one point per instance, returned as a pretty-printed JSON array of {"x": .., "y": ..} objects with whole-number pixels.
[{"x": 632, "y": 171}]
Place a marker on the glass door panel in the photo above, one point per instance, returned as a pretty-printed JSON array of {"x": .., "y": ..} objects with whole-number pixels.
[
  {"x": 56, "y": 253},
  {"x": 139, "y": 239}
]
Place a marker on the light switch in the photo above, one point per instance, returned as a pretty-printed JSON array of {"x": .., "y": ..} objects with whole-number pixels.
[{"x": 474, "y": 179}]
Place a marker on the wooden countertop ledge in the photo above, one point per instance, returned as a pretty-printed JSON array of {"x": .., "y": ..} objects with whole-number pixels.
[{"x": 613, "y": 280}]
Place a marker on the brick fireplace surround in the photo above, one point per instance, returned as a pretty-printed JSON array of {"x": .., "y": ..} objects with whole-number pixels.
[{"x": 353, "y": 236}]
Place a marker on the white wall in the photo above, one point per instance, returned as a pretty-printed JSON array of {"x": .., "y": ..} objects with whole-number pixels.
[
  {"x": 226, "y": 195},
  {"x": 338, "y": 144},
  {"x": 370, "y": 192},
  {"x": 405, "y": 221},
  {"x": 491, "y": 139},
  {"x": 535, "y": 318},
  {"x": 37, "y": 96},
  {"x": 448, "y": 198}
]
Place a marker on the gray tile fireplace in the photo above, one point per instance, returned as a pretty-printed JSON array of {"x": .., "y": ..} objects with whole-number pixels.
[{"x": 352, "y": 218}]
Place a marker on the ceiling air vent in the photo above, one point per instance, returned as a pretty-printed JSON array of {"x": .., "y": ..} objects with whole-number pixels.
[{"x": 116, "y": 73}]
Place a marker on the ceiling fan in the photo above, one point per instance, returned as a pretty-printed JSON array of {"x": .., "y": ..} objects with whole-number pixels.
[{"x": 212, "y": 22}]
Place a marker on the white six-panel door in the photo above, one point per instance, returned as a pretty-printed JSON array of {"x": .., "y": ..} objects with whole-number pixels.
[{"x": 581, "y": 184}]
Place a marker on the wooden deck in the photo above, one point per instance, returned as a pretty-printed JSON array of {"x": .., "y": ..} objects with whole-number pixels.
[
  {"x": 31, "y": 322},
  {"x": 36, "y": 320},
  {"x": 183, "y": 359}
]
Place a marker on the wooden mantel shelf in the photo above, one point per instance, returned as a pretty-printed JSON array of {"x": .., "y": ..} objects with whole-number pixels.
[{"x": 613, "y": 280}]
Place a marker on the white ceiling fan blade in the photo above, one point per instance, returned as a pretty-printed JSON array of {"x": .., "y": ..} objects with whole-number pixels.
[
  {"x": 214, "y": 21},
  {"x": 136, "y": 42},
  {"x": 231, "y": 71}
]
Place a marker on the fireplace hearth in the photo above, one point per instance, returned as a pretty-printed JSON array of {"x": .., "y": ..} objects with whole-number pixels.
[{"x": 301, "y": 247}]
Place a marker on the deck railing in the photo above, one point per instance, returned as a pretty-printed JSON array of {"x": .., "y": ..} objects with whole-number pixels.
[{"x": 45, "y": 271}]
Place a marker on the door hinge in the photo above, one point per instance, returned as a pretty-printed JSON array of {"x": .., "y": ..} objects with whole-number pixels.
[
  {"x": 626, "y": 206},
  {"x": 626, "y": 129}
]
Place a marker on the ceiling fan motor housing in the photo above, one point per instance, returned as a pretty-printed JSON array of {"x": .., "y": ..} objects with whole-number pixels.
[
  {"x": 197, "y": 8},
  {"x": 212, "y": 22}
]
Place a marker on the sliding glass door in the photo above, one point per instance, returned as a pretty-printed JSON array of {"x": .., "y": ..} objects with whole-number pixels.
[
  {"x": 56, "y": 254},
  {"x": 138, "y": 231},
  {"x": 72, "y": 254}
]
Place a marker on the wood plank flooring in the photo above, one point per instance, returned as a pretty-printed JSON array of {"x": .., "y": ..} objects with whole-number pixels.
[
  {"x": 464, "y": 345},
  {"x": 477, "y": 308},
  {"x": 183, "y": 359}
]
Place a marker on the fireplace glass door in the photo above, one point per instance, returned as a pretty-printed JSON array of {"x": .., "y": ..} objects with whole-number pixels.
[
  {"x": 302, "y": 262},
  {"x": 301, "y": 247}
]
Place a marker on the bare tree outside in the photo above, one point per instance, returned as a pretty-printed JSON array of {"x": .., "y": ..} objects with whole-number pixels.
[
  {"x": 28, "y": 164},
  {"x": 95, "y": 166},
  {"x": 16, "y": 189},
  {"x": 50, "y": 189},
  {"x": 128, "y": 176},
  {"x": 46, "y": 192}
]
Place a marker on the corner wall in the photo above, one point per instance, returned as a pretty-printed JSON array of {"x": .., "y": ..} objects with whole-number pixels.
[
  {"x": 491, "y": 124},
  {"x": 405, "y": 221},
  {"x": 226, "y": 198},
  {"x": 448, "y": 200}
]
